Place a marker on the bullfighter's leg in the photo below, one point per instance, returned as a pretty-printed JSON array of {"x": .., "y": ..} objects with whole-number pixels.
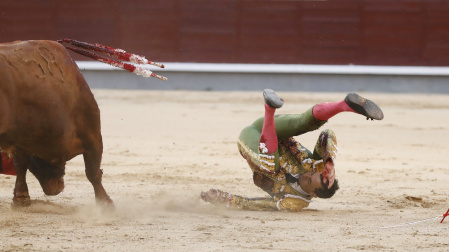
[
  {"x": 268, "y": 141},
  {"x": 92, "y": 161},
  {"x": 297, "y": 124},
  {"x": 270, "y": 129},
  {"x": 352, "y": 103},
  {"x": 287, "y": 125},
  {"x": 268, "y": 137},
  {"x": 21, "y": 165}
]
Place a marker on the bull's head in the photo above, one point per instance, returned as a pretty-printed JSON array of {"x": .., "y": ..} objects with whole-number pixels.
[{"x": 49, "y": 176}]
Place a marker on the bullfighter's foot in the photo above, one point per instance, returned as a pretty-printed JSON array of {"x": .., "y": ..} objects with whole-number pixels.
[
  {"x": 272, "y": 99},
  {"x": 364, "y": 106}
]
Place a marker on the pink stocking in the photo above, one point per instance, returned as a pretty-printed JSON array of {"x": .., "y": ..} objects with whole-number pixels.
[
  {"x": 324, "y": 111},
  {"x": 269, "y": 136}
]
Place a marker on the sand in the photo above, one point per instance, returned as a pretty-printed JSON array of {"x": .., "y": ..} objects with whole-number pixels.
[{"x": 162, "y": 148}]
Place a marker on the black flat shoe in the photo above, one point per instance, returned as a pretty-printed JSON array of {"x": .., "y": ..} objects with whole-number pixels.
[
  {"x": 272, "y": 99},
  {"x": 364, "y": 106}
]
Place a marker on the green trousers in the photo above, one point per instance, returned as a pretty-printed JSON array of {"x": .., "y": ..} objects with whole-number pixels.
[{"x": 286, "y": 126}]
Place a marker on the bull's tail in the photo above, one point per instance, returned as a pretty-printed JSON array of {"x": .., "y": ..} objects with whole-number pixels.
[{"x": 120, "y": 54}]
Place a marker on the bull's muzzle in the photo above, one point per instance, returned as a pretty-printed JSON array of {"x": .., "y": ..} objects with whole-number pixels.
[{"x": 53, "y": 186}]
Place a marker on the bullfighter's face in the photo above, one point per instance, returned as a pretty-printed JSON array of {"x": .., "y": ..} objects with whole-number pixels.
[{"x": 310, "y": 181}]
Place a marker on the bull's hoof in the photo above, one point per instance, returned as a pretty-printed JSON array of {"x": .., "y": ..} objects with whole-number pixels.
[
  {"x": 21, "y": 201},
  {"x": 106, "y": 205},
  {"x": 105, "y": 201}
]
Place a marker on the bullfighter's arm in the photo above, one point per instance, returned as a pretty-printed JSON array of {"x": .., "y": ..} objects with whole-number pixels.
[{"x": 221, "y": 198}]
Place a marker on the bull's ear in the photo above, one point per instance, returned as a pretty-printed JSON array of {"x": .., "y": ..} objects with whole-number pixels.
[{"x": 290, "y": 178}]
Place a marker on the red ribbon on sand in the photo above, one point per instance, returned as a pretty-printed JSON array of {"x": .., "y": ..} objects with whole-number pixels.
[{"x": 445, "y": 215}]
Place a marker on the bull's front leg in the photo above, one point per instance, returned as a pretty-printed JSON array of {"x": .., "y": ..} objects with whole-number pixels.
[
  {"x": 92, "y": 161},
  {"x": 21, "y": 165}
]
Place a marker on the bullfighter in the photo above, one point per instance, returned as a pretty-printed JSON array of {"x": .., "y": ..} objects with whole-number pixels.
[{"x": 290, "y": 173}]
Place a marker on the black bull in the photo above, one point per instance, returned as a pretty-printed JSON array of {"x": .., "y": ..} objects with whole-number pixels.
[{"x": 48, "y": 115}]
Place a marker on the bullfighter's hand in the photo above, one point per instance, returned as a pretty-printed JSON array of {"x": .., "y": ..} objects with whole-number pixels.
[
  {"x": 211, "y": 196},
  {"x": 329, "y": 173}
]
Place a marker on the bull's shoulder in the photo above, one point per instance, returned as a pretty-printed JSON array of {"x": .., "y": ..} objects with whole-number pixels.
[
  {"x": 41, "y": 59},
  {"x": 30, "y": 43},
  {"x": 49, "y": 44},
  {"x": 34, "y": 49}
]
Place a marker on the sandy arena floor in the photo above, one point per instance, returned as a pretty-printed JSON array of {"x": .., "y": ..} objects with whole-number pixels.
[{"x": 162, "y": 148}]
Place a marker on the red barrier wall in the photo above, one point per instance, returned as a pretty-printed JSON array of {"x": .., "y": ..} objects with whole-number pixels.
[{"x": 365, "y": 32}]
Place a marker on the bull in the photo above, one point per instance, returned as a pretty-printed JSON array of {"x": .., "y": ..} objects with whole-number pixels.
[{"x": 48, "y": 115}]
